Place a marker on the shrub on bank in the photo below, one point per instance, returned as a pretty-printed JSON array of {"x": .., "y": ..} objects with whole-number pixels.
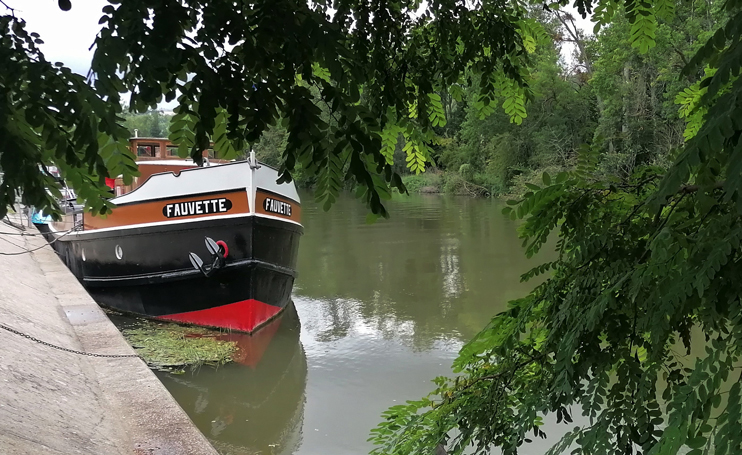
[
  {"x": 427, "y": 182},
  {"x": 462, "y": 183}
]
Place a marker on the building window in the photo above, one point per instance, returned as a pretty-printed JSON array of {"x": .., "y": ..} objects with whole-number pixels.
[{"x": 151, "y": 150}]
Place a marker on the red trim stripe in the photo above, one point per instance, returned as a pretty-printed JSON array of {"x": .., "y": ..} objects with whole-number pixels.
[{"x": 245, "y": 316}]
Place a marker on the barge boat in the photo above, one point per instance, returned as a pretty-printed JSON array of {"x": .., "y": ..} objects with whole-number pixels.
[{"x": 213, "y": 245}]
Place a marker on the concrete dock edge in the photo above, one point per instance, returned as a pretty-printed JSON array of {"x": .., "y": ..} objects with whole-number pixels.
[{"x": 56, "y": 402}]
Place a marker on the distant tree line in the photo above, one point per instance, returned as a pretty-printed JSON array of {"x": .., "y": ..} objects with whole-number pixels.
[
  {"x": 608, "y": 95},
  {"x": 153, "y": 123}
]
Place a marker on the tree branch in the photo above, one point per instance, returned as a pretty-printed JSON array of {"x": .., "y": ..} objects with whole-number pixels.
[
  {"x": 687, "y": 189},
  {"x": 576, "y": 38},
  {"x": 517, "y": 367},
  {"x": 12, "y": 10},
  {"x": 682, "y": 56}
]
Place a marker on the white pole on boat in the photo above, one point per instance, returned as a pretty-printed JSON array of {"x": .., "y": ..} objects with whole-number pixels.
[
  {"x": 136, "y": 132},
  {"x": 253, "y": 160}
]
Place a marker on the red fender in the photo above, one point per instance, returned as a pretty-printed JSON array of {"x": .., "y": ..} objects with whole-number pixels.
[{"x": 224, "y": 246}]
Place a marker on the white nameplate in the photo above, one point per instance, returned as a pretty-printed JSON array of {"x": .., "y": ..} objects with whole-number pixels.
[
  {"x": 275, "y": 206},
  {"x": 205, "y": 207}
]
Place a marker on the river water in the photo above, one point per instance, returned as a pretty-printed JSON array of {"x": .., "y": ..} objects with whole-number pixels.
[{"x": 382, "y": 309}]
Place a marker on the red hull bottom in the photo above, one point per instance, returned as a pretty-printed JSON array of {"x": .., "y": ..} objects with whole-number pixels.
[{"x": 245, "y": 316}]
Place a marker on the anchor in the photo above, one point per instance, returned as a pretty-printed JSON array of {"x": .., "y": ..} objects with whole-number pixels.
[{"x": 218, "y": 251}]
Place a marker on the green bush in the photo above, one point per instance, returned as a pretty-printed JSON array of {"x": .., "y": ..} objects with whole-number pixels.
[
  {"x": 427, "y": 182},
  {"x": 466, "y": 171},
  {"x": 453, "y": 183},
  {"x": 492, "y": 183}
]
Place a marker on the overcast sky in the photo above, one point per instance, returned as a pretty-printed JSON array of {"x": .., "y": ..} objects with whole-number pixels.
[{"x": 67, "y": 35}]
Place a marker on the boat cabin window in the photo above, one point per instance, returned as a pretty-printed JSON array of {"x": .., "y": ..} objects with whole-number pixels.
[
  {"x": 152, "y": 150},
  {"x": 210, "y": 153},
  {"x": 172, "y": 150}
]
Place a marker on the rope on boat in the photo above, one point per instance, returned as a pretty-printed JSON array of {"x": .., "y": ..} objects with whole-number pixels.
[
  {"x": 74, "y": 351},
  {"x": 33, "y": 249},
  {"x": 22, "y": 234},
  {"x": 12, "y": 224}
]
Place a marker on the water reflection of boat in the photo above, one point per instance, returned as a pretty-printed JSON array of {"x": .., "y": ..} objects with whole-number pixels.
[{"x": 256, "y": 405}]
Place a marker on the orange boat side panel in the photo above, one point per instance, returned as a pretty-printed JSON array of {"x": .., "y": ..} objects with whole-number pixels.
[
  {"x": 179, "y": 208},
  {"x": 275, "y": 205}
]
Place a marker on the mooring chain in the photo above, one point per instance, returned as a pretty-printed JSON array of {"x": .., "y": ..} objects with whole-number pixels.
[{"x": 25, "y": 335}]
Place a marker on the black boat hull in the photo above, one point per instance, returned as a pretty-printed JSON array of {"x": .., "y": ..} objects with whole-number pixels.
[{"x": 147, "y": 270}]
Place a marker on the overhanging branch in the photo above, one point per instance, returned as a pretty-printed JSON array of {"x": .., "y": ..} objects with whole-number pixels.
[
  {"x": 12, "y": 10},
  {"x": 687, "y": 189}
]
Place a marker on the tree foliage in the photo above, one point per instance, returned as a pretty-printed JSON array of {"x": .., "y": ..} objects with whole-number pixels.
[
  {"x": 373, "y": 64},
  {"x": 608, "y": 94},
  {"x": 51, "y": 116},
  {"x": 152, "y": 123},
  {"x": 498, "y": 154},
  {"x": 647, "y": 267},
  {"x": 377, "y": 71}
]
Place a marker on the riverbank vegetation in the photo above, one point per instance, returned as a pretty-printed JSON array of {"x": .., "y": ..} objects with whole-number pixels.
[
  {"x": 644, "y": 188},
  {"x": 586, "y": 89}
]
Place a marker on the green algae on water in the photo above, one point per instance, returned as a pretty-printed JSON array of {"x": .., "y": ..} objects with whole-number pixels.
[{"x": 172, "y": 347}]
